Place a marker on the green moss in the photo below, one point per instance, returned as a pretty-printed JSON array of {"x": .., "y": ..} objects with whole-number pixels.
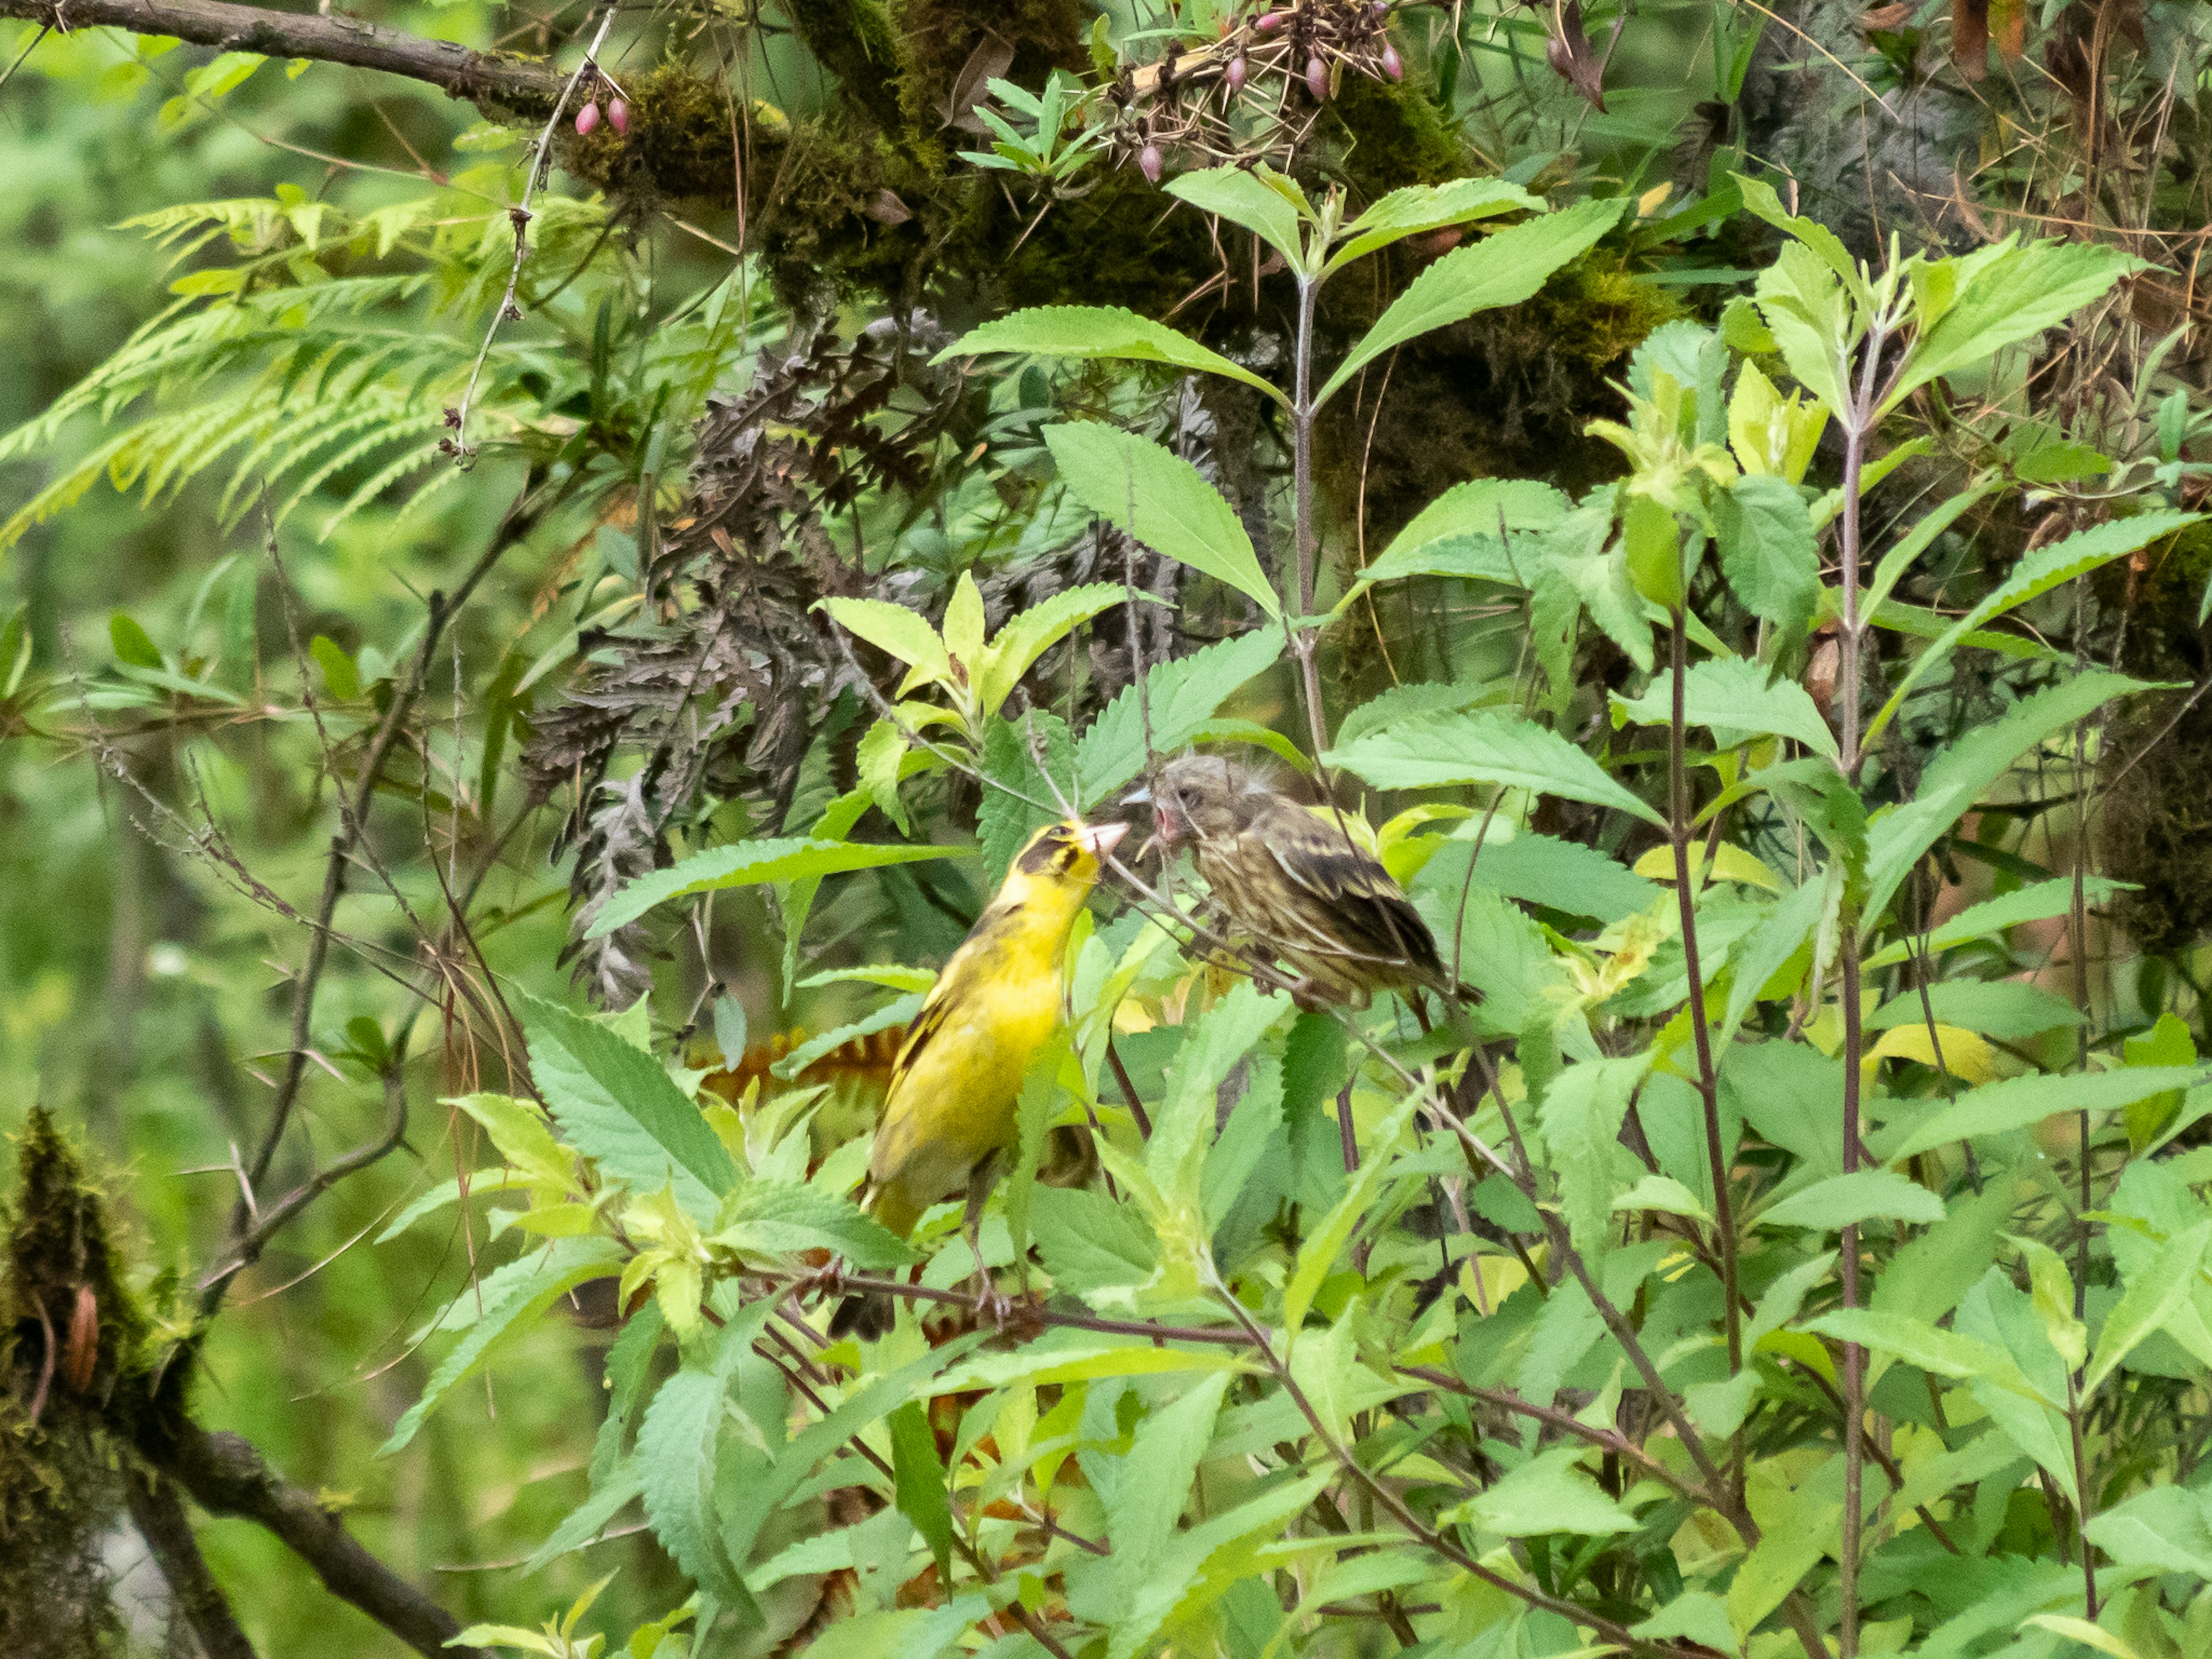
[
  {"x": 938, "y": 37},
  {"x": 678, "y": 145},
  {"x": 2155, "y": 813},
  {"x": 1380, "y": 135},
  {"x": 854, "y": 40},
  {"x": 58, "y": 1490},
  {"x": 1506, "y": 393}
]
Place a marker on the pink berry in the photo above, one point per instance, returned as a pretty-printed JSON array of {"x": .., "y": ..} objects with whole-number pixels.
[
  {"x": 587, "y": 118},
  {"x": 1236, "y": 73},
  {"x": 618, "y": 111},
  {"x": 1393, "y": 66},
  {"x": 1148, "y": 163},
  {"x": 1316, "y": 76},
  {"x": 1268, "y": 22}
]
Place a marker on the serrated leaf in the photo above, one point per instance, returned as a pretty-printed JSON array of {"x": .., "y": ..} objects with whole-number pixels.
[
  {"x": 617, "y": 1105},
  {"x": 895, "y": 631},
  {"x": 1415, "y": 209},
  {"x": 1258, "y": 199},
  {"x": 1581, "y": 1117},
  {"x": 1503, "y": 269},
  {"x": 1028, "y": 636},
  {"x": 2038, "y": 901},
  {"x": 749, "y": 864},
  {"x": 512, "y": 1298},
  {"x": 1550, "y": 1493},
  {"x": 784, "y": 1218},
  {"x": 2021, "y": 1102},
  {"x": 2150, "y": 1299},
  {"x": 1957, "y": 775},
  {"x": 2036, "y": 574},
  {"x": 1731, "y": 695},
  {"x": 1095, "y": 331},
  {"x": 2009, "y": 293},
  {"x": 1764, "y": 534},
  {"x": 1449, "y": 750},
  {"x": 1181, "y": 697},
  {"x": 1844, "y": 1201},
  {"x": 1160, "y": 499}
]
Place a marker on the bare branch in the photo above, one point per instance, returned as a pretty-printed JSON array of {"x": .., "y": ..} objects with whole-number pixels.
[
  {"x": 525, "y": 86},
  {"x": 226, "y": 1475},
  {"x": 159, "y": 1514}
]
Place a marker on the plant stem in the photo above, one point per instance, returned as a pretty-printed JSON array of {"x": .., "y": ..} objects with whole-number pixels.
[
  {"x": 1856, "y": 421},
  {"x": 2083, "y": 1509},
  {"x": 1677, "y": 823},
  {"x": 1304, "y": 543}
]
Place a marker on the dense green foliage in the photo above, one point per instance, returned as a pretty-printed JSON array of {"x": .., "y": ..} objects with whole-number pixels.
[{"x": 479, "y": 789}]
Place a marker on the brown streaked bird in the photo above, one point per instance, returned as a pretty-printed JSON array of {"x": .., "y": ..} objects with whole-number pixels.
[{"x": 1296, "y": 882}]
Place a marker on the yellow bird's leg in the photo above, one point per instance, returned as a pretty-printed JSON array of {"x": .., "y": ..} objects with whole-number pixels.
[{"x": 989, "y": 1303}]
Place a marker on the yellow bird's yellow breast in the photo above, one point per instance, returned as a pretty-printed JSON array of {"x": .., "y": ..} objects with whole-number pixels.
[{"x": 954, "y": 1103}]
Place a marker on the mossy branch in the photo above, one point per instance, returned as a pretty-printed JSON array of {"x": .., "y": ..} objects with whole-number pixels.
[{"x": 523, "y": 86}]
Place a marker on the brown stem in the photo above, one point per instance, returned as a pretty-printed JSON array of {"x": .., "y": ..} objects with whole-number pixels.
[
  {"x": 521, "y": 85},
  {"x": 248, "y": 1234},
  {"x": 226, "y": 1475},
  {"x": 1678, "y": 817},
  {"x": 159, "y": 1514}
]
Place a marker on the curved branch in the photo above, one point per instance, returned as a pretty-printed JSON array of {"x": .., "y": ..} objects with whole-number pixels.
[
  {"x": 524, "y": 85},
  {"x": 226, "y": 1475}
]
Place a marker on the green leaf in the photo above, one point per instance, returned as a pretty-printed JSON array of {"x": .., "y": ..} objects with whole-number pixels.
[
  {"x": 2009, "y": 293},
  {"x": 1449, "y": 751},
  {"x": 1152, "y": 1484},
  {"x": 1259, "y": 198},
  {"x": 919, "y": 1474},
  {"x": 2149, "y": 1301},
  {"x": 1318, "y": 1253},
  {"x": 1210, "y": 1553},
  {"x": 897, "y": 1012},
  {"x": 2039, "y": 902},
  {"x": 895, "y": 631},
  {"x": 2020, "y": 1103},
  {"x": 1918, "y": 540},
  {"x": 1180, "y": 696},
  {"x": 1028, "y": 636},
  {"x": 511, "y": 1298},
  {"x": 1844, "y": 1201},
  {"x": 341, "y": 678},
  {"x": 133, "y": 645},
  {"x": 1956, "y": 777},
  {"x": 676, "y": 1456},
  {"x": 2168, "y": 1529},
  {"x": 1732, "y": 695},
  {"x": 1560, "y": 875},
  {"x": 1162, "y": 500},
  {"x": 1185, "y": 1125},
  {"x": 1089, "y": 1243},
  {"x": 744, "y": 1512},
  {"x": 1416, "y": 208},
  {"x": 1549, "y": 1493},
  {"x": 1416, "y": 697},
  {"x": 2007, "y": 1009},
  {"x": 616, "y": 1104},
  {"x": 2036, "y": 574},
  {"x": 1018, "y": 798},
  {"x": 1916, "y": 1342},
  {"x": 1580, "y": 1115},
  {"x": 750, "y": 863},
  {"x": 1041, "y": 1363},
  {"x": 1094, "y": 331},
  {"x": 1662, "y": 1193},
  {"x": 1458, "y": 534},
  {"x": 1503, "y": 269},
  {"x": 1764, "y": 532},
  {"x": 878, "y": 762},
  {"x": 784, "y": 1217}
]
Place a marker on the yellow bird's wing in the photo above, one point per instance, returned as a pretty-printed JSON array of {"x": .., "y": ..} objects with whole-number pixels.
[{"x": 957, "y": 1079}]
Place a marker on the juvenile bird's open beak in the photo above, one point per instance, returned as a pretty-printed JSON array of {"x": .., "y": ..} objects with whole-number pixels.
[{"x": 1099, "y": 840}]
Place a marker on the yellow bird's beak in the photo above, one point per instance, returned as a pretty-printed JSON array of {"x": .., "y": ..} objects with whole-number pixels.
[{"x": 1099, "y": 840}]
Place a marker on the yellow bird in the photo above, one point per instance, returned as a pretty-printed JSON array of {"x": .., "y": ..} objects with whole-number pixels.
[{"x": 950, "y": 1108}]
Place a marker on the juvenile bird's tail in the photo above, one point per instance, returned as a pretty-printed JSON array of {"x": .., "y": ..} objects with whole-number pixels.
[{"x": 866, "y": 1315}]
